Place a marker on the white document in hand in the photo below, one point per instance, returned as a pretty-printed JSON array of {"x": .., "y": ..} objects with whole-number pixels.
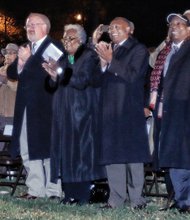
[{"x": 52, "y": 52}]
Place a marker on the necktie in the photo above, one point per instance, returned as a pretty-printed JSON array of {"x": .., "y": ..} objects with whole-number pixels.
[
  {"x": 33, "y": 48},
  {"x": 115, "y": 46},
  {"x": 168, "y": 58}
]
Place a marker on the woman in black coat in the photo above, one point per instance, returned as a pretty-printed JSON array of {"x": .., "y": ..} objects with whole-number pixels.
[{"x": 74, "y": 153}]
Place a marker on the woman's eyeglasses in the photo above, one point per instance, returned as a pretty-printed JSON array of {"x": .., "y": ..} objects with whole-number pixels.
[{"x": 69, "y": 39}]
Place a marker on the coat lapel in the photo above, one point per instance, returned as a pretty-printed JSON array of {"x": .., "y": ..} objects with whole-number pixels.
[
  {"x": 176, "y": 57},
  {"x": 174, "y": 65},
  {"x": 125, "y": 47}
]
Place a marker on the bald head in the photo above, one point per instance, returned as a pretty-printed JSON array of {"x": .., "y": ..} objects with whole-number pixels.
[{"x": 119, "y": 29}]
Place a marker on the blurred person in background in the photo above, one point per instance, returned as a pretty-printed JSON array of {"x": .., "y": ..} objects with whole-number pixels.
[
  {"x": 1, "y": 59},
  {"x": 8, "y": 87}
]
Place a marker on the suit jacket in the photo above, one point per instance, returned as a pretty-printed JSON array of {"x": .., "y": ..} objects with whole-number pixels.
[
  {"x": 175, "y": 127},
  {"x": 36, "y": 98},
  {"x": 123, "y": 126}
]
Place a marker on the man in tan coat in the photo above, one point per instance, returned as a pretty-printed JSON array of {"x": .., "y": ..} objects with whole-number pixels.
[{"x": 7, "y": 87}]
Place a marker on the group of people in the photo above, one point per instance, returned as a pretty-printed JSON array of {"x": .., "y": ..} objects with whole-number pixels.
[{"x": 82, "y": 117}]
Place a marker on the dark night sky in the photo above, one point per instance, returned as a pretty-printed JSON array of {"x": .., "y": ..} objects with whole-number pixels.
[{"x": 149, "y": 16}]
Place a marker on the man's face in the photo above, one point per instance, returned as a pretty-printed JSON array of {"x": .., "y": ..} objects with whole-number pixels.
[
  {"x": 178, "y": 30},
  {"x": 119, "y": 30},
  {"x": 35, "y": 28}
]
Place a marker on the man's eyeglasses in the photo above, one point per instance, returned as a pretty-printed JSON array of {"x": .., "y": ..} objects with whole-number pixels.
[{"x": 32, "y": 25}]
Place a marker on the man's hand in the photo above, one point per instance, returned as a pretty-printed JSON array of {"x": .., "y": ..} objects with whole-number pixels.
[
  {"x": 104, "y": 51},
  {"x": 24, "y": 53},
  {"x": 147, "y": 112},
  {"x": 97, "y": 34}
]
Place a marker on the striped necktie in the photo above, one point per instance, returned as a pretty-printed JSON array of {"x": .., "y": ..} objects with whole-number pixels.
[
  {"x": 33, "y": 48},
  {"x": 115, "y": 46}
]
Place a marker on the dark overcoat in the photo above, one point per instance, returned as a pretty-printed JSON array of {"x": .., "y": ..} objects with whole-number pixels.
[
  {"x": 123, "y": 130},
  {"x": 175, "y": 128},
  {"x": 75, "y": 143},
  {"x": 33, "y": 96}
]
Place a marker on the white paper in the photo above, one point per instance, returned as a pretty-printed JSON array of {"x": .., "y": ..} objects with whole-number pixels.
[
  {"x": 52, "y": 52},
  {"x": 8, "y": 130}
]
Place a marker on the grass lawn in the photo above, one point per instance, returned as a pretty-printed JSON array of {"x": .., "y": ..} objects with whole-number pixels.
[{"x": 13, "y": 209}]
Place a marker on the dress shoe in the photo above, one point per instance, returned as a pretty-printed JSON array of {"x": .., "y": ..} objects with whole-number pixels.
[
  {"x": 185, "y": 210},
  {"x": 140, "y": 206},
  {"x": 70, "y": 201},
  {"x": 106, "y": 206},
  {"x": 173, "y": 206},
  {"x": 163, "y": 209},
  {"x": 27, "y": 197}
]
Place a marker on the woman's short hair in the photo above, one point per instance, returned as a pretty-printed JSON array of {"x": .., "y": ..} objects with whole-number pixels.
[{"x": 79, "y": 29}]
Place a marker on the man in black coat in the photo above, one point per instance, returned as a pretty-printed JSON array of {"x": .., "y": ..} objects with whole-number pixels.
[
  {"x": 172, "y": 110},
  {"x": 124, "y": 135},
  {"x": 33, "y": 110}
]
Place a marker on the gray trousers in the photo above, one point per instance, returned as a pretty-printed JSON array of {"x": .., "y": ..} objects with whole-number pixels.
[
  {"x": 38, "y": 171},
  {"x": 126, "y": 184}
]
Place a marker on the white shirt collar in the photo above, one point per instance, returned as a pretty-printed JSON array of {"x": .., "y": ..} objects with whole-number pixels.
[
  {"x": 38, "y": 43},
  {"x": 178, "y": 45},
  {"x": 122, "y": 42}
]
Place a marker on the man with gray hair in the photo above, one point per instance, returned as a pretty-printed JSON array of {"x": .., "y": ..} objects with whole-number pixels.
[{"x": 33, "y": 110}]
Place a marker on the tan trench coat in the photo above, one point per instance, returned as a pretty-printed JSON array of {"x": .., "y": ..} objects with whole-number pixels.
[{"x": 7, "y": 94}]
